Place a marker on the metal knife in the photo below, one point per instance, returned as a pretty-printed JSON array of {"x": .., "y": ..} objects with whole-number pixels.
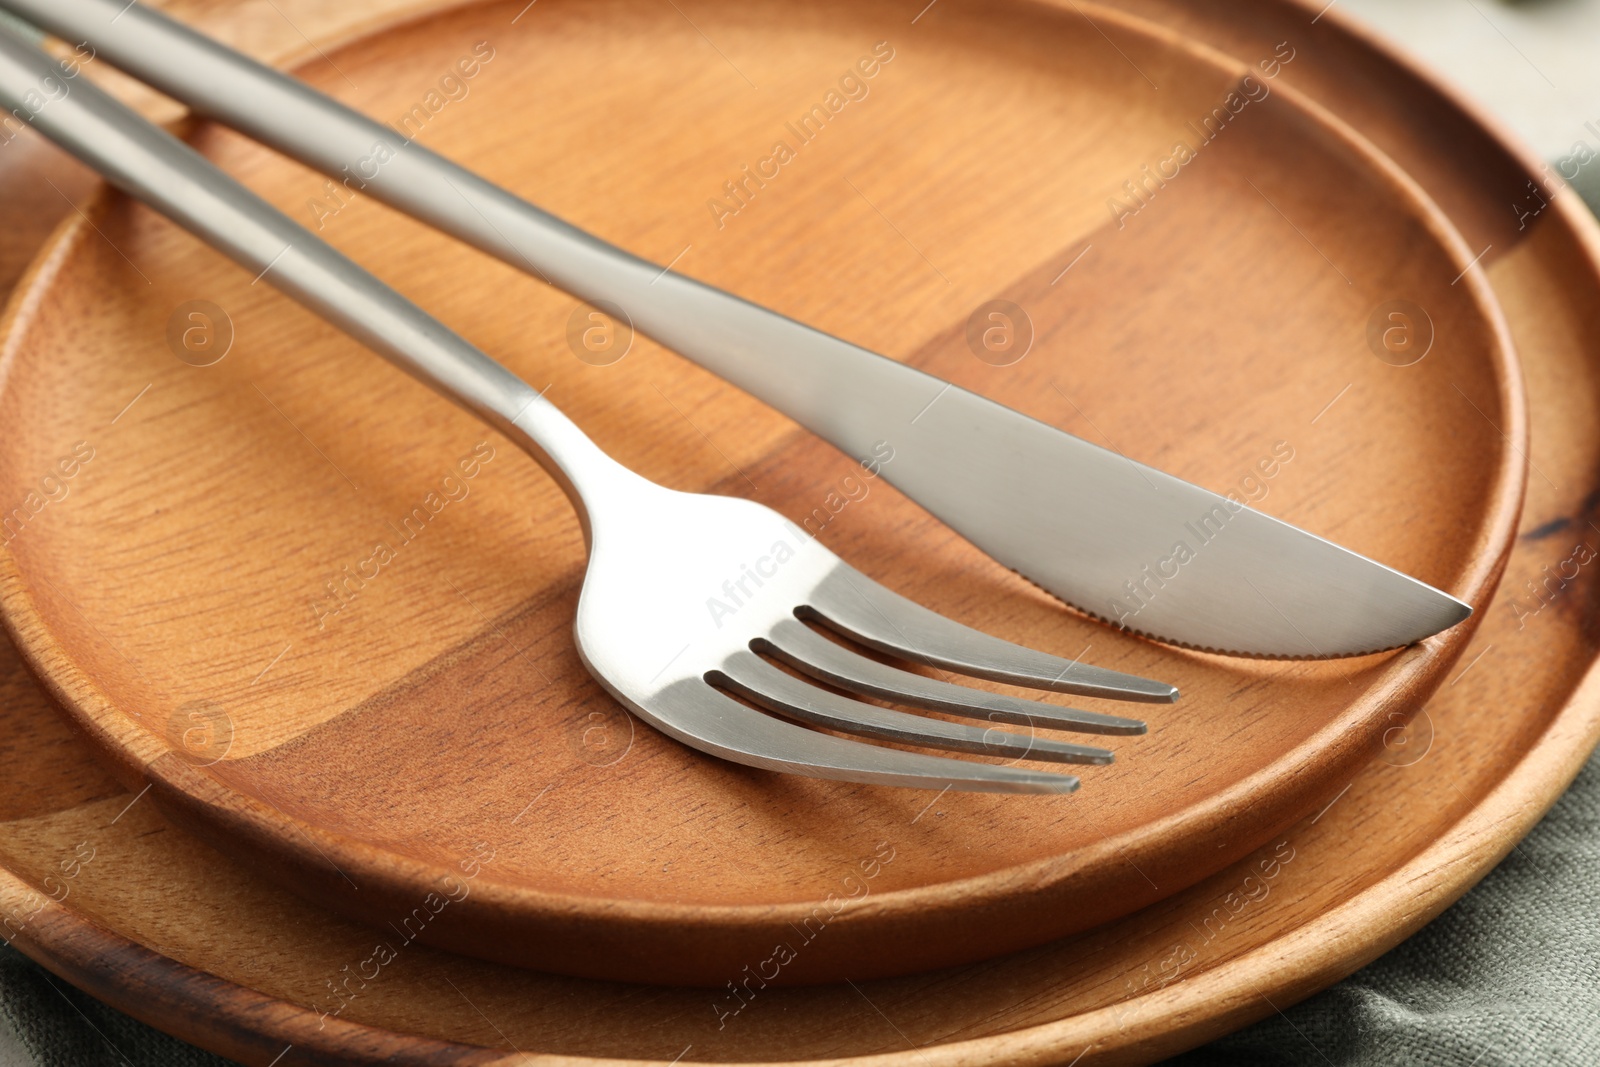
[{"x": 1117, "y": 539}]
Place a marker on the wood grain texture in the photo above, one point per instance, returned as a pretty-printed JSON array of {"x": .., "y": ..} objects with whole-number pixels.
[
  {"x": 369, "y": 747},
  {"x": 167, "y": 929},
  {"x": 241, "y": 966}
]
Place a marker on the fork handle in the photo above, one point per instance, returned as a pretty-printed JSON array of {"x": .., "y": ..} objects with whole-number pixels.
[{"x": 152, "y": 165}]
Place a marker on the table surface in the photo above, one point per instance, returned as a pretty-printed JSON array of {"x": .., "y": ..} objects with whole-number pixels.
[{"x": 1506, "y": 973}]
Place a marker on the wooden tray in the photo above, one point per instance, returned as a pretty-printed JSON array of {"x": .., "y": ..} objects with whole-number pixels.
[
  {"x": 366, "y": 740},
  {"x": 185, "y": 941}
]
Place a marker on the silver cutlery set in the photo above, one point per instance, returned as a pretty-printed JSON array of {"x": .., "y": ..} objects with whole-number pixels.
[{"x": 1080, "y": 521}]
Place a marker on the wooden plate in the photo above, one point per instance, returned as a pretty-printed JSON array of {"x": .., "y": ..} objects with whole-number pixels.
[
  {"x": 185, "y": 941},
  {"x": 419, "y": 746}
]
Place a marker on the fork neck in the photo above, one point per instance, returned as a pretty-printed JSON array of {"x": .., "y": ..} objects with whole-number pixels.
[{"x": 583, "y": 470}]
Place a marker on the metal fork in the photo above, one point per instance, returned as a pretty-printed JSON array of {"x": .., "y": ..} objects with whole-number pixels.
[{"x": 690, "y": 601}]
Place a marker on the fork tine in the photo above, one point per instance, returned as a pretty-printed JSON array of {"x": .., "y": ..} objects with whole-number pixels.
[
  {"x": 865, "y": 611},
  {"x": 758, "y": 681},
  {"x": 793, "y": 642},
  {"x": 724, "y": 727}
]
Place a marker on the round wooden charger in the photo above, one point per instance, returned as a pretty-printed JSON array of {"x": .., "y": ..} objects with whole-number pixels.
[
  {"x": 159, "y": 925},
  {"x": 325, "y": 617}
]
